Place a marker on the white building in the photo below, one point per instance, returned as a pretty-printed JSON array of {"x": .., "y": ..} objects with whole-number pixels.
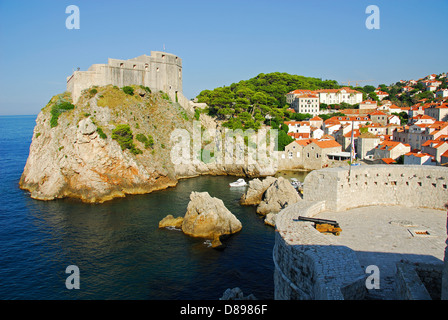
[
  {"x": 306, "y": 103},
  {"x": 290, "y": 96},
  {"x": 419, "y": 158},
  {"x": 298, "y": 126},
  {"x": 442, "y": 93},
  {"x": 381, "y": 94},
  {"x": 337, "y": 96}
]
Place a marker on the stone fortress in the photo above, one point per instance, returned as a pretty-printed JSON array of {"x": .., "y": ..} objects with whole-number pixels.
[
  {"x": 372, "y": 204},
  {"x": 159, "y": 71}
]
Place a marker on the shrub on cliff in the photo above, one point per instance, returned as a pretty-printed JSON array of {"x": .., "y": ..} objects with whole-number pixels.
[
  {"x": 148, "y": 141},
  {"x": 128, "y": 90},
  {"x": 101, "y": 132},
  {"x": 56, "y": 111},
  {"x": 123, "y": 135}
]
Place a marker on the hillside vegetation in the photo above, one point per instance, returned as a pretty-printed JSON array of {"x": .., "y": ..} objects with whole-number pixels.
[{"x": 262, "y": 99}]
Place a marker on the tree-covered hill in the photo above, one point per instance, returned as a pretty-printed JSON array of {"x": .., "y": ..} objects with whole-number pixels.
[{"x": 249, "y": 103}]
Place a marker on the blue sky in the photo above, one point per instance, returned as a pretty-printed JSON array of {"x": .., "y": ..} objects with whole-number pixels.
[{"x": 220, "y": 42}]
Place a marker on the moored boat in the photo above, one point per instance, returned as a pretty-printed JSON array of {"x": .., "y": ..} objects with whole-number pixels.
[{"x": 238, "y": 183}]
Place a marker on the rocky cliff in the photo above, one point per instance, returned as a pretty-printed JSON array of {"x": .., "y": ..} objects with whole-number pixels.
[{"x": 114, "y": 142}]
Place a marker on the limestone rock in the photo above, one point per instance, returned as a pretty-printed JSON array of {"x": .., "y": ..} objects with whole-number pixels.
[
  {"x": 207, "y": 217},
  {"x": 270, "y": 219},
  {"x": 79, "y": 158},
  {"x": 170, "y": 221},
  {"x": 279, "y": 195},
  {"x": 236, "y": 294},
  {"x": 254, "y": 193}
]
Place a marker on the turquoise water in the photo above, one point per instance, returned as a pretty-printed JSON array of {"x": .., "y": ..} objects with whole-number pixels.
[{"x": 117, "y": 246}]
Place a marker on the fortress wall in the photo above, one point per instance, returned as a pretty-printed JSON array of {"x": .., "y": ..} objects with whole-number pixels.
[
  {"x": 409, "y": 186},
  {"x": 309, "y": 265},
  {"x": 160, "y": 71}
]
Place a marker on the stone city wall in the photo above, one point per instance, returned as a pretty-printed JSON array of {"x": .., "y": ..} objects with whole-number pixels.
[
  {"x": 408, "y": 186},
  {"x": 309, "y": 265}
]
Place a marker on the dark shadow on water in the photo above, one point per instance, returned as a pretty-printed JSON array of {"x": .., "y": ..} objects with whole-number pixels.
[{"x": 122, "y": 254}]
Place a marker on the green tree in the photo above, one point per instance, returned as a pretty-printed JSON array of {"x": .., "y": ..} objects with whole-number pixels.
[
  {"x": 123, "y": 135},
  {"x": 369, "y": 89},
  {"x": 128, "y": 90},
  {"x": 283, "y": 140}
]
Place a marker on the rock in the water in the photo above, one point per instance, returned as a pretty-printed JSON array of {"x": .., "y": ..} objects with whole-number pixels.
[
  {"x": 207, "y": 217},
  {"x": 236, "y": 294},
  {"x": 270, "y": 219},
  {"x": 254, "y": 193},
  {"x": 278, "y": 195},
  {"x": 170, "y": 221}
]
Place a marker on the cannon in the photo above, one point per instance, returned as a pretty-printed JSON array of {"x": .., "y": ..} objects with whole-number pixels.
[{"x": 324, "y": 225}]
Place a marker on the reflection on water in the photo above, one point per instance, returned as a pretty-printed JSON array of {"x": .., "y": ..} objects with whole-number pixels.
[{"x": 288, "y": 174}]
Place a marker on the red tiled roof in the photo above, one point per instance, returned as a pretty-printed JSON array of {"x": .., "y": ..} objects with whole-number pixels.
[
  {"x": 348, "y": 90},
  {"x": 356, "y": 133},
  {"x": 326, "y": 143},
  {"x": 388, "y": 160},
  {"x": 299, "y": 135},
  {"x": 418, "y": 154},
  {"x": 389, "y": 143},
  {"x": 304, "y": 142}
]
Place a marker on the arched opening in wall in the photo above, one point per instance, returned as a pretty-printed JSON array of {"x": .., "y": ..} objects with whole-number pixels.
[
  {"x": 163, "y": 56},
  {"x": 121, "y": 65},
  {"x": 134, "y": 66},
  {"x": 146, "y": 67}
]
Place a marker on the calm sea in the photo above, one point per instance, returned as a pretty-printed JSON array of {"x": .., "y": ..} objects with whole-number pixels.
[{"x": 117, "y": 246}]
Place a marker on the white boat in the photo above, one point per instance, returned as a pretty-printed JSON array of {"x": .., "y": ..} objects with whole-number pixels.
[
  {"x": 238, "y": 183},
  {"x": 296, "y": 183}
]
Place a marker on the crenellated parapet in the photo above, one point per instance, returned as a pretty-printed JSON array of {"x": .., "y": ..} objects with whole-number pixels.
[
  {"x": 312, "y": 266},
  {"x": 403, "y": 185},
  {"x": 159, "y": 71}
]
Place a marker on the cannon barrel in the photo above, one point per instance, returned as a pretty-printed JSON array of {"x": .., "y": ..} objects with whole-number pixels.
[{"x": 332, "y": 222}]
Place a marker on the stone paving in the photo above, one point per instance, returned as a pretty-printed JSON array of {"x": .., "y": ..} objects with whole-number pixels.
[{"x": 384, "y": 235}]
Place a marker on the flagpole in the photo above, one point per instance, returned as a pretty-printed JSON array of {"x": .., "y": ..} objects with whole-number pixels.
[{"x": 351, "y": 150}]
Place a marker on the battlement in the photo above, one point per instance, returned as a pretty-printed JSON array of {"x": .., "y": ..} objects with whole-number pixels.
[
  {"x": 310, "y": 265},
  {"x": 408, "y": 186},
  {"x": 159, "y": 71}
]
